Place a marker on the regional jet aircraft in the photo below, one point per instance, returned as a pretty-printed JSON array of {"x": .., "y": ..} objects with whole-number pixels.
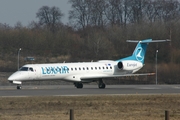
[{"x": 85, "y": 72}]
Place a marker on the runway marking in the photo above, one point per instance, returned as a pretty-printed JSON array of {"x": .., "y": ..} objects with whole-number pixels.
[
  {"x": 177, "y": 87},
  {"x": 149, "y": 88}
]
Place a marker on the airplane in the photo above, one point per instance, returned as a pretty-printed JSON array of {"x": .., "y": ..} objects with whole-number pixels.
[{"x": 85, "y": 72}]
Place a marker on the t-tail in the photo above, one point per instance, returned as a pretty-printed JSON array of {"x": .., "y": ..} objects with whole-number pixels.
[{"x": 136, "y": 61}]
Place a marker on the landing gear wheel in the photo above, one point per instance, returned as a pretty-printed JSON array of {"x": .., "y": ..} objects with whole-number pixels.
[
  {"x": 19, "y": 87},
  {"x": 101, "y": 86},
  {"x": 78, "y": 85}
]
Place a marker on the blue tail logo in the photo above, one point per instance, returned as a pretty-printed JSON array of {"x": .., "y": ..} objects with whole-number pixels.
[{"x": 139, "y": 53}]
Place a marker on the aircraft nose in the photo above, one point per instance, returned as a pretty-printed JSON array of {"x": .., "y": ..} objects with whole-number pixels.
[
  {"x": 18, "y": 76},
  {"x": 11, "y": 78}
]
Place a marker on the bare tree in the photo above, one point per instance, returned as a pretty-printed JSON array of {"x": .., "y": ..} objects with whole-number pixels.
[
  {"x": 111, "y": 12},
  {"x": 18, "y": 25},
  {"x": 170, "y": 10},
  {"x": 117, "y": 12},
  {"x": 49, "y": 17},
  {"x": 80, "y": 13},
  {"x": 98, "y": 17},
  {"x": 88, "y": 13}
]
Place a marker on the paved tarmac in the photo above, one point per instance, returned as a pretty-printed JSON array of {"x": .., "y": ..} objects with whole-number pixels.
[{"x": 70, "y": 90}]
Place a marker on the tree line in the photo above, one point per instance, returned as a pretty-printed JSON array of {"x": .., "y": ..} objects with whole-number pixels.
[
  {"x": 97, "y": 30},
  {"x": 122, "y": 12}
]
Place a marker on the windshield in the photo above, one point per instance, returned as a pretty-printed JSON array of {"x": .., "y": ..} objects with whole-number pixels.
[
  {"x": 23, "y": 69},
  {"x": 26, "y": 69}
]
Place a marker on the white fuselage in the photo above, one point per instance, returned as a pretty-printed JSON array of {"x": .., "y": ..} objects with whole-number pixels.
[{"x": 74, "y": 72}]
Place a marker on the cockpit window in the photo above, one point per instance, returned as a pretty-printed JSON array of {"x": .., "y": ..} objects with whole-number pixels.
[
  {"x": 31, "y": 69},
  {"x": 26, "y": 69},
  {"x": 23, "y": 69}
]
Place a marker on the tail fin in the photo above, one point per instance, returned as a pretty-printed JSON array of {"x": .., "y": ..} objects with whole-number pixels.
[{"x": 140, "y": 50}]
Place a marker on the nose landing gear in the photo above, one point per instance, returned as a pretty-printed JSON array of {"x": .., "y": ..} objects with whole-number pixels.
[{"x": 19, "y": 87}]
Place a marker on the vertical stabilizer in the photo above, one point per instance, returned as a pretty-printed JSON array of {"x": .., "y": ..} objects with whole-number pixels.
[{"x": 140, "y": 50}]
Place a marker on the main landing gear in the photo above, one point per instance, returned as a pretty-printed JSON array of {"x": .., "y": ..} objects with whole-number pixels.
[
  {"x": 19, "y": 87},
  {"x": 78, "y": 85},
  {"x": 101, "y": 85}
]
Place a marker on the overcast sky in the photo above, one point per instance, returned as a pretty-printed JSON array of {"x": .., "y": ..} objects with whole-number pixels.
[{"x": 12, "y": 11}]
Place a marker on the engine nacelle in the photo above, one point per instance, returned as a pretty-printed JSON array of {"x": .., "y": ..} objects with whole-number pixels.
[
  {"x": 120, "y": 65},
  {"x": 129, "y": 65}
]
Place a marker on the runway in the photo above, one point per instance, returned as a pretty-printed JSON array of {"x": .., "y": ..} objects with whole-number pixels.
[{"x": 70, "y": 90}]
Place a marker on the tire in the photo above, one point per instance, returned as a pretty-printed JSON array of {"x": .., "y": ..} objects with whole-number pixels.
[
  {"x": 79, "y": 85},
  {"x": 101, "y": 86},
  {"x": 19, "y": 87}
]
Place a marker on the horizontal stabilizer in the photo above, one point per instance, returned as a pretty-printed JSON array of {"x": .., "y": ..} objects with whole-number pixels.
[{"x": 148, "y": 41}]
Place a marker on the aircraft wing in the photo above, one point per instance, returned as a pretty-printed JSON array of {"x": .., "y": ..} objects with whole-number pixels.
[
  {"x": 111, "y": 76},
  {"x": 141, "y": 74}
]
